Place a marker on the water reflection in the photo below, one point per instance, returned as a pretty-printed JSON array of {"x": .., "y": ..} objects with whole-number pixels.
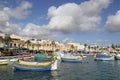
[
  {"x": 26, "y": 75},
  {"x": 7, "y": 73}
]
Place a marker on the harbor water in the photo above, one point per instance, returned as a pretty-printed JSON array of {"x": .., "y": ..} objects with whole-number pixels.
[{"x": 88, "y": 70}]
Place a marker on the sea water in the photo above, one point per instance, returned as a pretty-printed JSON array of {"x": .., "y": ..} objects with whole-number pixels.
[{"x": 88, "y": 70}]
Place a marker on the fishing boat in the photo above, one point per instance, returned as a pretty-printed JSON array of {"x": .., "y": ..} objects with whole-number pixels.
[
  {"x": 29, "y": 63},
  {"x": 44, "y": 57},
  {"x": 7, "y": 60},
  {"x": 104, "y": 57},
  {"x": 25, "y": 56},
  {"x": 3, "y": 62},
  {"x": 37, "y": 67},
  {"x": 72, "y": 59},
  {"x": 117, "y": 56}
]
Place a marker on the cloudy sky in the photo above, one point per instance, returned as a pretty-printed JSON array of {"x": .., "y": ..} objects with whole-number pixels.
[{"x": 81, "y": 21}]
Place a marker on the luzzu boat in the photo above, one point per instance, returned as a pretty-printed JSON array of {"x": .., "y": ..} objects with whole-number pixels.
[
  {"x": 35, "y": 67},
  {"x": 25, "y": 56},
  {"x": 72, "y": 59},
  {"x": 104, "y": 57},
  {"x": 8, "y": 59},
  {"x": 44, "y": 57},
  {"x": 117, "y": 56},
  {"x": 4, "y": 62},
  {"x": 39, "y": 64}
]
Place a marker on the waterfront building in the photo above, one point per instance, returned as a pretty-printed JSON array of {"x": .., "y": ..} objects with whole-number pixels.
[
  {"x": 74, "y": 46},
  {"x": 38, "y": 44},
  {"x": 16, "y": 41}
]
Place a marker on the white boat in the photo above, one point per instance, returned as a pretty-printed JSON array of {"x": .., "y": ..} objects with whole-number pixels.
[
  {"x": 7, "y": 59},
  {"x": 117, "y": 56},
  {"x": 71, "y": 58},
  {"x": 104, "y": 57}
]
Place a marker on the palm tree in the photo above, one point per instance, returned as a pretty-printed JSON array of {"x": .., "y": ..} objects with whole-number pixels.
[
  {"x": 1, "y": 39},
  {"x": 28, "y": 42},
  {"x": 7, "y": 40},
  {"x": 53, "y": 45},
  {"x": 85, "y": 45},
  {"x": 113, "y": 46},
  {"x": 72, "y": 47}
]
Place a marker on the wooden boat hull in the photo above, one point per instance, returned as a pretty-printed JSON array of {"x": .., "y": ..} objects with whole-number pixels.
[
  {"x": 72, "y": 60},
  {"x": 43, "y": 56},
  {"x": 27, "y": 63},
  {"x": 117, "y": 58},
  {"x": 43, "y": 59},
  {"x": 4, "y": 62},
  {"x": 53, "y": 66},
  {"x": 18, "y": 67},
  {"x": 104, "y": 57},
  {"x": 25, "y": 56}
]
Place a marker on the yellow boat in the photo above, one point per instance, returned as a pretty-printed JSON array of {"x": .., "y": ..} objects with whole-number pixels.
[
  {"x": 28, "y": 63},
  {"x": 4, "y": 62}
]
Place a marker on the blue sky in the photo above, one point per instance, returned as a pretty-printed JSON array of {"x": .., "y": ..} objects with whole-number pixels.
[{"x": 81, "y": 21}]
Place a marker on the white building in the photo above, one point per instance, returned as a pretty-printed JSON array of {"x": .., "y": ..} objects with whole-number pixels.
[{"x": 74, "y": 46}]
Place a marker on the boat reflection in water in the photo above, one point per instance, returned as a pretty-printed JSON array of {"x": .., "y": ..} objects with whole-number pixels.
[{"x": 44, "y": 75}]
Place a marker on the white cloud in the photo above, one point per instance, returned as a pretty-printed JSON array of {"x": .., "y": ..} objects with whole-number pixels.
[
  {"x": 113, "y": 22},
  {"x": 67, "y": 18},
  {"x": 10, "y": 28},
  {"x": 19, "y": 12},
  {"x": 72, "y": 17},
  {"x": 6, "y": 13},
  {"x": 3, "y": 16},
  {"x": 35, "y": 31}
]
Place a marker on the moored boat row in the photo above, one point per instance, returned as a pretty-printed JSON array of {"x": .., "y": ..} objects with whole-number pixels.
[{"x": 43, "y": 62}]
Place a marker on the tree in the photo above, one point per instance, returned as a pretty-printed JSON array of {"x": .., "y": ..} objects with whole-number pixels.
[
  {"x": 53, "y": 44},
  {"x": 113, "y": 46},
  {"x": 1, "y": 39},
  {"x": 85, "y": 45},
  {"x": 28, "y": 43},
  {"x": 7, "y": 40},
  {"x": 72, "y": 47}
]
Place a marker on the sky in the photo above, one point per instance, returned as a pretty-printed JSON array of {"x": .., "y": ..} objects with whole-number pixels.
[{"x": 80, "y": 21}]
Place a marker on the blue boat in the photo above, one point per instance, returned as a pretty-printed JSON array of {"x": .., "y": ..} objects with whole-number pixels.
[
  {"x": 26, "y": 67},
  {"x": 104, "y": 57},
  {"x": 72, "y": 60},
  {"x": 43, "y": 59},
  {"x": 22, "y": 68},
  {"x": 117, "y": 56}
]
